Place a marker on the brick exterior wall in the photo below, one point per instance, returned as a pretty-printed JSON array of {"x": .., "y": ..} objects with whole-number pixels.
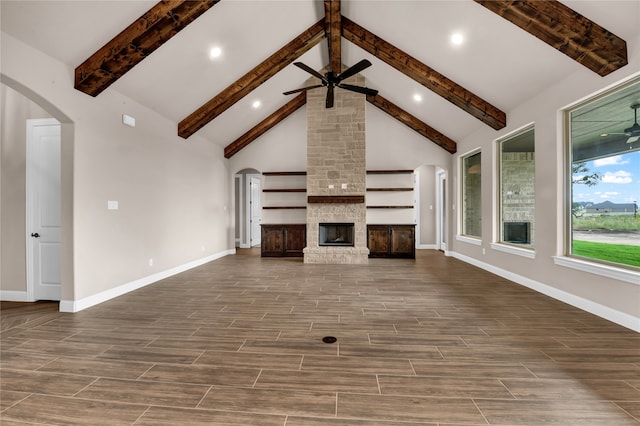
[{"x": 518, "y": 189}]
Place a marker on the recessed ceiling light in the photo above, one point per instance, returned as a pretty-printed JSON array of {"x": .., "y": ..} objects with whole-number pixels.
[
  {"x": 256, "y": 104},
  {"x": 417, "y": 97},
  {"x": 215, "y": 52},
  {"x": 457, "y": 39}
]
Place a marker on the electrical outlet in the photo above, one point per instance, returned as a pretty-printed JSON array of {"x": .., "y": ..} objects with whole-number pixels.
[{"x": 151, "y": 262}]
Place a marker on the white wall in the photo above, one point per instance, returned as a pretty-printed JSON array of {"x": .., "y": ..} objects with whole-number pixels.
[
  {"x": 615, "y": 299},
  {"x": 174, "y": 195},
  {"x": 283, "y": 148}
]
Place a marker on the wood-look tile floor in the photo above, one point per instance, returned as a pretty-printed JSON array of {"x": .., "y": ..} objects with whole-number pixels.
[{"x": 239, "y": 341}]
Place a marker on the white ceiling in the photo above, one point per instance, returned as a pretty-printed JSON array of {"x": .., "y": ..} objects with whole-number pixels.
[{"x": 498, "y": 61}]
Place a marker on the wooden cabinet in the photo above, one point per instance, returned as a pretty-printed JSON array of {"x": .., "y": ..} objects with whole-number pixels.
[
  {"x": 391, "y": 241},
  {"x": 283, "y": 240}
]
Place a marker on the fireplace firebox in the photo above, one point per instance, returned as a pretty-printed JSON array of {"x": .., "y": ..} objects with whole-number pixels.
[{"x": 335, "y": 234}]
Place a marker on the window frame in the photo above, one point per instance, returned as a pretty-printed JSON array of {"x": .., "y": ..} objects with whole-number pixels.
[
  {"x": 498, "y": 243},
  {"x": 472, "y": 239},
  {"x": 566, "y": 258}
]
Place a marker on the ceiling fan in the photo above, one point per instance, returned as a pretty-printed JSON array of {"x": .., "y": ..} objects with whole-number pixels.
[
  {"x": 332, "y": 80},
  {"x": 633, "y": 132}
]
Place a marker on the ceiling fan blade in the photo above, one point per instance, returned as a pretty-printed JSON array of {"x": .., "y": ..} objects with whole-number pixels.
[
  {"x": 290, "y": 92},
  {"x": 353, "y": 70},
  {"x": 310, "y": 71},
  {"x": 329, "y": 101},
  {"x": 359, "y": 89}
]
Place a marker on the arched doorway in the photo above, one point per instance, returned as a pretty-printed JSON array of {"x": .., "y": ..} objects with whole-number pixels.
[{"x": 20, "y": 103}]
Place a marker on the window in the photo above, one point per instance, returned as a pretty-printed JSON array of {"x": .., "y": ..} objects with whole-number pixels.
[
  {"x": 516, "y": 197},
  {"x": 471, "y": 196},
  {"x": 604, "y": 156}
]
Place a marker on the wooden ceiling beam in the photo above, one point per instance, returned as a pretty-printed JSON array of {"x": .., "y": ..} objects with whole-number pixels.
[
  {"x": 136, "y": 42},
  {"x": 333, "y": 24},
  {"x": 254, "y": 78},
  {"x": 414, "y": 123},
  {"x": 265, "y": 125},
  {"x": 423, "y": 74},
  {"x": 565, "y": 30}
]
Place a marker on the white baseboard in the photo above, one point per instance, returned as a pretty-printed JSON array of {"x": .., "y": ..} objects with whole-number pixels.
[
  {"x": 87, "y": 302},
  {"x": 14, "y": 296},
  {"x": 613, "y": 315},
  {"x": 427, "y": 247}
]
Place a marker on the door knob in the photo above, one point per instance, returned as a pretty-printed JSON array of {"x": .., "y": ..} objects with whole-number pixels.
[{"x": 35, "y": 235}]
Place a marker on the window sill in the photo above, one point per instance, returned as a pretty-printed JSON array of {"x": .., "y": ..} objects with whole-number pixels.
[
  {"x": 470, "y": 240},
  {"x": 518, "y": 251},
  {"x": 598, "y": 269}
]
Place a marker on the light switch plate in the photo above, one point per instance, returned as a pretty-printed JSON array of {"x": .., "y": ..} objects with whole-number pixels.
[{"x": 112, "y": 205}]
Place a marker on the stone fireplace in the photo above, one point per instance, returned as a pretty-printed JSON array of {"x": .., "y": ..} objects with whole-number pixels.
[{"x": 336, "y": 174}]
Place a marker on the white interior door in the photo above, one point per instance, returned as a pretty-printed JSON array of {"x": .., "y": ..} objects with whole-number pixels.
[
  {"x": 255, "y": 208},
  {"x": 43, "y": 210}
]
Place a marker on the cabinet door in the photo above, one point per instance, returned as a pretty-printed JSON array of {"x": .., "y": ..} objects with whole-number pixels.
[
  {"x": 272, "y": 243},
  {"x": 378, "y": 240},
  {"x": 402, "y": 241},
  {"x": 295, "y": 239}
]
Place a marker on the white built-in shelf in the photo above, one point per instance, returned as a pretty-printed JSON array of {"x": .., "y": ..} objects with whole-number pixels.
[
  {"x": 284, "y": 197},
  {"x": 390, "y": 196}
]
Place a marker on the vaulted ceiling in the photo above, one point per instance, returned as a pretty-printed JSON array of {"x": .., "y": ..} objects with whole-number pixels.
[{"x": 498, "y": 66}]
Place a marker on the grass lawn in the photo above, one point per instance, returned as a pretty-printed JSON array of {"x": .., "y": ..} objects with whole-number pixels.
[{"x": 619, "y": 253}]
